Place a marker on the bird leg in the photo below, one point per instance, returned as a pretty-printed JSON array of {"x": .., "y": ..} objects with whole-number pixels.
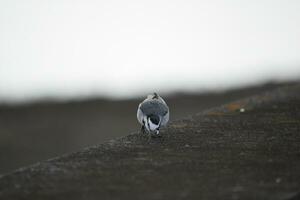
[
  {"x": 156, "y": 134},
  {"x": 143, "y": 129}
]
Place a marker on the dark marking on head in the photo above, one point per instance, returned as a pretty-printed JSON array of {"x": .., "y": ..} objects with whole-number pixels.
[{"x": 154, "y": 119}]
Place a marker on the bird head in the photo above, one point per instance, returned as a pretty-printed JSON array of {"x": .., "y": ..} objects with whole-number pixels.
[{"x": 152, "y": 123}]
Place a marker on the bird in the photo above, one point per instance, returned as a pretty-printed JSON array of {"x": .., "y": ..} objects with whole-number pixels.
[{"x": 153, "y": 113}]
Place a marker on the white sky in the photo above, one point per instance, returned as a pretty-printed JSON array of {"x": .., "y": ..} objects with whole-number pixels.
[{"x": 118, "y": 48}]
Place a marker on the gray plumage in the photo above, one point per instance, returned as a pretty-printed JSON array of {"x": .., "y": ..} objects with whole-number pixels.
[{"x": 153, "y": 108}]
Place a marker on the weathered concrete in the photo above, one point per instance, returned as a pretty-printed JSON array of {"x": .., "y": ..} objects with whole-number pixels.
[{"x": 249, "y": 149}]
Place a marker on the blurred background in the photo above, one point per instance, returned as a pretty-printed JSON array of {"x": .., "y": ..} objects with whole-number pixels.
[{"x": 72, "y": 72}]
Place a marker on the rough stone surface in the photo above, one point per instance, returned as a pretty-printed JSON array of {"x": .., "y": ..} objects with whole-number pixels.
[{"x": 249, "y": 149}]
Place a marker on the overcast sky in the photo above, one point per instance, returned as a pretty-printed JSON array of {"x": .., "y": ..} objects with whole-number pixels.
[{"x": 70, "y": 48}]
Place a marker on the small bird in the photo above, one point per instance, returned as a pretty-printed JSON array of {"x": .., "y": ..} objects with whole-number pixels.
[{"x": 152, "y": 114}]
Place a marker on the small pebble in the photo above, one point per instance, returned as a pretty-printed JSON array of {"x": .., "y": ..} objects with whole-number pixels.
[
  {"x": 242, "y": 110},
  {"x": 278, "y": 180}
]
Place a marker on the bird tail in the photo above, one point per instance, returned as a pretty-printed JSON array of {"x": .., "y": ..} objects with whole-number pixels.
[{"x": 155, "y": 95}]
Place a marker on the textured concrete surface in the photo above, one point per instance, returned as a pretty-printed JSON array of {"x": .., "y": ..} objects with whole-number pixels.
[
  {"x": 33, "y": 132},
  {"x": 249, "y": 149}
]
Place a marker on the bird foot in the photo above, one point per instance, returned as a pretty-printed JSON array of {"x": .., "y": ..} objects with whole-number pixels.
[
  {"x": 156, "y": 135},
  {"x": 143, "y": 131}
]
